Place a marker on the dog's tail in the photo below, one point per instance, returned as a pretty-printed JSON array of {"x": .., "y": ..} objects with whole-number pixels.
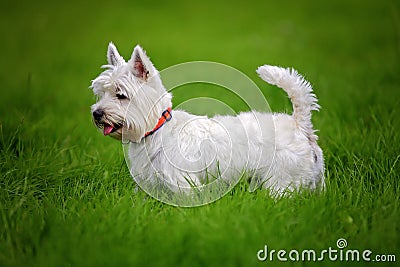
[{"x": 299, "y": 91}]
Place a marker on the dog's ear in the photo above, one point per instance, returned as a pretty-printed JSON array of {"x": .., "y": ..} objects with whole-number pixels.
[
  {"x": 113, "y": 57},
  {"x": 141, "y": 65}
]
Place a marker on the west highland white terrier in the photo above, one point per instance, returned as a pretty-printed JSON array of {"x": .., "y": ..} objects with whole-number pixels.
[{"x": 182, "y": 150}]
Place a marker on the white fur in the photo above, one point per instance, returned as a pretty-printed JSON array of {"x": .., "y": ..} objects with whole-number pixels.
[{"x": 279, "y": 150}]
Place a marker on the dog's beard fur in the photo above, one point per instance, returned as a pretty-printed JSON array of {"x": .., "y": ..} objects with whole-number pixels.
[
  {"x": 112, "y": 121},
  {"x": 131, "y": 99}
]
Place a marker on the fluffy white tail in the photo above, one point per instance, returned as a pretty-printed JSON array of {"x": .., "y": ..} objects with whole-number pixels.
[{"x": 299, "y": 91}]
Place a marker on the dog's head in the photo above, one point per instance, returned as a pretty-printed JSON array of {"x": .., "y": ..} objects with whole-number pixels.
[{"x": 131, "y": 96}]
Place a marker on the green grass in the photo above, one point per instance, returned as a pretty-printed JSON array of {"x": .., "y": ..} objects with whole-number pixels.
[{"x": 66, "y": 196}]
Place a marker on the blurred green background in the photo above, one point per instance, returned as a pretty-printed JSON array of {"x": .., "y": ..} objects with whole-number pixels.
[
  {"x": 66, "y": 196},
  {"x": 52, "y": 50}
]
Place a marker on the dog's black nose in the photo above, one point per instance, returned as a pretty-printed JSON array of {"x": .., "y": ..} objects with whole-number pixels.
[{"x": 98, "y": 114}]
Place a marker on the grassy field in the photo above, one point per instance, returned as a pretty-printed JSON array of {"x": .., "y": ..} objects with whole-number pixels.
[{"x": 66, "y": 196}]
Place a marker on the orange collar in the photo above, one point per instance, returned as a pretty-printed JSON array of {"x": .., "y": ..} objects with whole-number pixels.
[{"x": 165, "y": 116}]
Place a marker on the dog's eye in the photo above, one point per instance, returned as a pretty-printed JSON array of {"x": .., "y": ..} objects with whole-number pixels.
[{"x": 121, "y": 96}]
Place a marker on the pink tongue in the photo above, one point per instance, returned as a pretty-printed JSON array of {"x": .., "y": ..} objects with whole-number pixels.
[{"x": 107, "y": 129}]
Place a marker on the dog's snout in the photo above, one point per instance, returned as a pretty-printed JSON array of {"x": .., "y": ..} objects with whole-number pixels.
[{"x": 98, "y": 114}]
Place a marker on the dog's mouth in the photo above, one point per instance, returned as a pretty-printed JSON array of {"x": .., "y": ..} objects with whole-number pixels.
[
  {"x": 105, "y": 124},
  {"x": 110, "y": 128}
]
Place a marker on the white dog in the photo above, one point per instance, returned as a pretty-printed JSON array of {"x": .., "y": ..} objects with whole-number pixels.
[{"x": 183, "y": 150}]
